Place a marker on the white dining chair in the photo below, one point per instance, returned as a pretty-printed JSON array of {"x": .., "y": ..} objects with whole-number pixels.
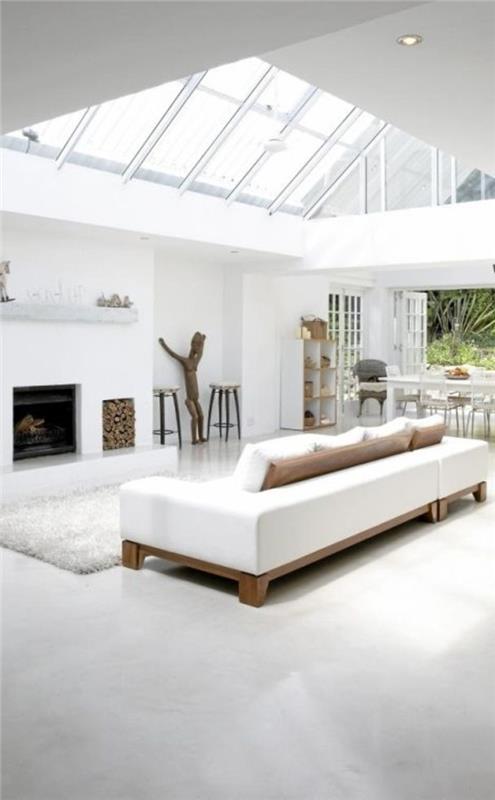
[
  {"x": 440, "y": 398},
  {"x": 482, "y": 400},
  {"x": 393, "y": 371}
]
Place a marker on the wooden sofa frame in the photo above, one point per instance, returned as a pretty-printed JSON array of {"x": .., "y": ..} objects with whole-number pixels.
[{"x": 253, "y": 588}]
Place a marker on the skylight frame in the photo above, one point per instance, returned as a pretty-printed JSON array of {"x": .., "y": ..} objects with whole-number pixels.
[{"x": 284, "y": 118}]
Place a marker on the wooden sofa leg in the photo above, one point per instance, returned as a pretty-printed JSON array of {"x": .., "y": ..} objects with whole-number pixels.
[
  {"x": 443, "y": 507},
  {"x": 252, "y": 589},
  {"x": 432, "y": 513},
  {"x": 480, "y": 493},
  {"x": 132, "y": 556}
]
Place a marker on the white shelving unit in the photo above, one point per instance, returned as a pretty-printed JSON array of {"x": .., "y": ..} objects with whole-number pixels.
[{"x": 307, "y": 387}]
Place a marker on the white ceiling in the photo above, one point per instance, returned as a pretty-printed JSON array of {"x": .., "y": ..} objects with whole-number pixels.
[
  {"x": 442, "y": 91},
  {"x": 61, "y": 56}
]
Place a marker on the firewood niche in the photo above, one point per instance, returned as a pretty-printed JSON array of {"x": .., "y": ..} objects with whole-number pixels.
[{"x": 119, "y": 429}]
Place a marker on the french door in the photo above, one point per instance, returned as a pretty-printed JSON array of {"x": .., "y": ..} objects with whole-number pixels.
[
  {"x": 346, "y": 326},
  {"x": 410, "y": 330}
]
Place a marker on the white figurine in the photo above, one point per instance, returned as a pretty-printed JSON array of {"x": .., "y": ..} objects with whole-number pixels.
[{"x": 4, "y": 271}]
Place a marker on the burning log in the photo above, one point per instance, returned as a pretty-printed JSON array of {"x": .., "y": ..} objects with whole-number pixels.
[{"x": 29, "y": 424}]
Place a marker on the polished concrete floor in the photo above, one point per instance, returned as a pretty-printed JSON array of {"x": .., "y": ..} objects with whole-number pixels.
[{"x": 367, "y": 677}]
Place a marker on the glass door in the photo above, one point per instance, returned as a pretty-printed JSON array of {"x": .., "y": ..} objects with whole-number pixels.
[
  {"x": 345, "y": 325},
  {"x": 410, "y": 330}
]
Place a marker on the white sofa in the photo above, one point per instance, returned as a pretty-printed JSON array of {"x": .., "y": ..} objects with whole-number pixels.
[{"x": 256, "y": 537}]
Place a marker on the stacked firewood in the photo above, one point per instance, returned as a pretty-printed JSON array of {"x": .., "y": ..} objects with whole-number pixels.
[{"x": 118, "y": 424}]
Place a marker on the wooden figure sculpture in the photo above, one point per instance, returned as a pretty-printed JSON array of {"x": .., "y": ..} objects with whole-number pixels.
[
  {"x": 190, "y": 366},
  {"x": 4, "y": 271}
]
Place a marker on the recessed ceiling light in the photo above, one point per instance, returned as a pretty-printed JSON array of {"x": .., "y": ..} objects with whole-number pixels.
[
  {"x": 410, "y": 39},
  {"x": 144, "y": 238},
  {"x": 234, "y": 252}
]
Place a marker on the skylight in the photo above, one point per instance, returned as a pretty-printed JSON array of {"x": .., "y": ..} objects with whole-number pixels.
[{"x": 208, "y": 133}]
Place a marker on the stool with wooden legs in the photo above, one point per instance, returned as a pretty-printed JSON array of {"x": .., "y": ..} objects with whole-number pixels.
[
  {"x": 224, "y": 390},
  {"x": 163, "y": 392}
]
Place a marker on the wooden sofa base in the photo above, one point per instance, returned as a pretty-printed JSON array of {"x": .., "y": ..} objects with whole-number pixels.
[
  {"x": 253, "y": 588},
  {"x": 478, "y": 491}
]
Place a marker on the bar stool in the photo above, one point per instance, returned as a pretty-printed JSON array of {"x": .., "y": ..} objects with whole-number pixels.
[
  {"x": 224, "y": 389},
  {"x": 162, "y": 392}
]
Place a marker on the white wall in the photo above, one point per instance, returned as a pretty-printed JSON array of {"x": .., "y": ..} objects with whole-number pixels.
[
  {"x": 272, "y": 306},
  {"x": 449, "y": 276},
  {"x": 260, "y": 356},
  {"x": 188, "y": 297},
  {"x": 105, "y": 360},
  {"x": 446, "y": 236}
]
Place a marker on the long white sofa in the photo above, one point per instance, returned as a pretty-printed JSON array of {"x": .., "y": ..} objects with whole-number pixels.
[{"x": 254, "y": 537}]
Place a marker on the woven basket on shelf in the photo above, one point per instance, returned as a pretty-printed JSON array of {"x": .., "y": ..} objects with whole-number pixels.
[{"x": 316, "y": 326}]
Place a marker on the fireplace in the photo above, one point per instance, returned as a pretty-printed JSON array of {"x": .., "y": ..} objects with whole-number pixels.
[{"x": 44, "y": 420}]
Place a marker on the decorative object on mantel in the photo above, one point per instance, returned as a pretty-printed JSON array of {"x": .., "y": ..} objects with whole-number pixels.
[
  {"x": 114, "y": 301},
  {"x": 63, "y": 294},
  {"x": 44, "y": 312},
  {"x": 4, "y": 271},
  {"x": 317, "y": 327},
  {"x": 190, "y": 364},
  {"x": 118, "y": 423}
]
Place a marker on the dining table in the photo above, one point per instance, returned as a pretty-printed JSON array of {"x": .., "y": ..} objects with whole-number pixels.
[{"x": 407, "y": 384}]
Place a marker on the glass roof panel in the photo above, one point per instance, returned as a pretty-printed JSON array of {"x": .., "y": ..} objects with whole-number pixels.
[
  {"x": 53, "y": 132},
  {"x": 361, "y": 131},
  {"x": 344, "y": 199},
  {"x": 185, "y": 141},
  {"x": 240, "y": 150},
  {"x": 121, "y": 126},
  {"x": 325, "y": 114},
  {"x": 322, "y": 175},
  {"x": 408, "y": 171},
  {"x": 271, "y": 178},
  {"x": 283, "y": 93}
]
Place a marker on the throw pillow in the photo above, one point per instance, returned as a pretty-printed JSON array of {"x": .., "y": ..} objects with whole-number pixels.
[
  {"x": 281, "y": 473},
  {"x": 427, "y": 422},
  {"x": 255, "y": 459},
  {"x": 354, "y": 436},
  {"x": 427, "y": 435},
  {"x": 397, "y": 425}
]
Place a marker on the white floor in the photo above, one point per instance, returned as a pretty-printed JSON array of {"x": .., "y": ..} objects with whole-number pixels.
[{"x": 367, "y": 677}]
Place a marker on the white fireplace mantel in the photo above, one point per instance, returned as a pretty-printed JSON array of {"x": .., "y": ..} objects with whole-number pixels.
[{"x": 41, "y": 312}]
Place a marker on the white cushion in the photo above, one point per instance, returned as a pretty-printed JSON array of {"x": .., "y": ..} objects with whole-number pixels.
[
  {"x": 426, "y": 422},
  {"x": 255, "y": 459},
  {"x": 397, "y": 425},
  {"x": 354, "y": 436}
]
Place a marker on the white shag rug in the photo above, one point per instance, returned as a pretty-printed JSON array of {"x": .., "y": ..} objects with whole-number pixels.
[{"x": 76, "y": 531}]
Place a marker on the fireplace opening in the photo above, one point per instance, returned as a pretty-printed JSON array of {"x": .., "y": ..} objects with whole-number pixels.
[{"x": 44, "y": 421}]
